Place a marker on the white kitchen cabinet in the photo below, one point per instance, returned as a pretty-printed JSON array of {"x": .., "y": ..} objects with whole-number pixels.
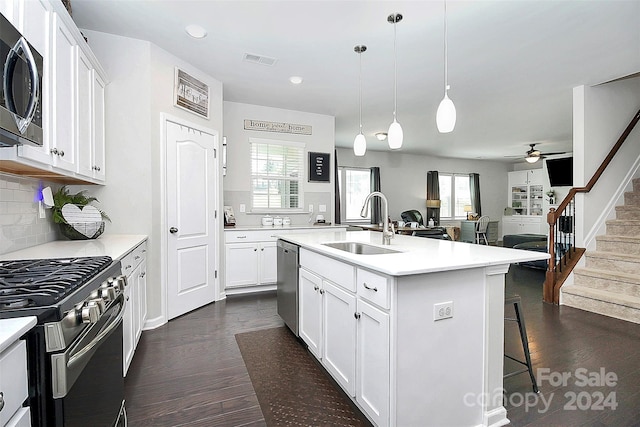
[
  {"x": 251, "y": 258},
  {"x": 372, "y": 390},
  {"x": 310, "y": 298},
  {"x": 64, "y": 97},
  {"x": 339, "y": 327},
  {"x": 519, "y": 224},
  {"x": 13, "y": 380},
  {"x": 72, "y": 98},
  {"x": 134, "y": 267}
]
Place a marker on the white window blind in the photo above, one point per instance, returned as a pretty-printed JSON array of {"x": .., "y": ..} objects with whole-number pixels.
[{"x": 277, "y": 169}]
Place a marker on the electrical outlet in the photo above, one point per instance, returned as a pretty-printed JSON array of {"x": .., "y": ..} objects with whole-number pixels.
[
  {"x": 443, "y": 310},
  {"x": 41, "y": 211},
  {"x": 243, "y": 207},
  {"x": 310, "y": 208},
  {"x": 322, "y": 208}
]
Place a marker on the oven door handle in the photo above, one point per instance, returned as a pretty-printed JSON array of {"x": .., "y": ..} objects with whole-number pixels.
[
  {"x": 88, "y": 350},
  {"x": 66, "y": 369}
]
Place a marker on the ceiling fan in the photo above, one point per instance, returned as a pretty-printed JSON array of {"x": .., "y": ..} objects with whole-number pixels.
[{"x": 534, "y": 155}]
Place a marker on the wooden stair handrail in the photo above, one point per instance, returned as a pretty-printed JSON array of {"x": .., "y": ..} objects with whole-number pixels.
[
  {"x": 598, "y": 173},
  {"x": 552, "y": 285}
]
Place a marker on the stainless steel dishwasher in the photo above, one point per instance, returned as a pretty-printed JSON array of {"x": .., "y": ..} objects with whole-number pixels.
[{"x": 287, "y": 285}]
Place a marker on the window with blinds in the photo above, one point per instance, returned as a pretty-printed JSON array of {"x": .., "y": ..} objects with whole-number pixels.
[{"x": 277, "y": 169}]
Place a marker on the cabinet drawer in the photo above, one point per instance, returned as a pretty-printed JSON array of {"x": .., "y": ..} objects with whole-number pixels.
[
  {"x": 13, "y": 379},
  {"x": 336, "y": 271},
  {"x": 131, "y": 260},
  {"x": 252, "y": 235},
  {"x": 373, "y": 287}
]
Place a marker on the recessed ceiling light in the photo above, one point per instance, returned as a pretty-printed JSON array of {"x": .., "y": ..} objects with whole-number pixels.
[
  {"x": 196, "y": 31},
  {"x": 296, "y": 80}
]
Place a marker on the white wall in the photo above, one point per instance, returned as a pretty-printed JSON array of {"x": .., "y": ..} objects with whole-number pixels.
[
  {"x": 403, "y": 178},
  {"x": 237, "y": 182},
  {"x": 600, "y": 115},
  {"x": 141, "y": 79}
]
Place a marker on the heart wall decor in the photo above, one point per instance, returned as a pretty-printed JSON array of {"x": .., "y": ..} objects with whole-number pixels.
[{"x": 85, "y": 220}]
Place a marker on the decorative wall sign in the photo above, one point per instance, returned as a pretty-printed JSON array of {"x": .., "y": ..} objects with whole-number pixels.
[
  {"x": 191, "y": 94},
  {"x": 277, "y": 127},
  {"x": 319, "y": 167}
]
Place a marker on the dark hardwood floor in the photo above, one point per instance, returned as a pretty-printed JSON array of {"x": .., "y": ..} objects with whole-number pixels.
[{"x": 190, "y": 371}]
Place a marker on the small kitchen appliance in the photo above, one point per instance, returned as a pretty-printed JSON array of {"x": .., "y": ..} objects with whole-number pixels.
[
  {"x": 20, "y": 89},
  {"x": 74, "y": 353}
]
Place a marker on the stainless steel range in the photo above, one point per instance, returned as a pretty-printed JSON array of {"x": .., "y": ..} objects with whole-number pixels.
[{"x": 75, "y": 350}]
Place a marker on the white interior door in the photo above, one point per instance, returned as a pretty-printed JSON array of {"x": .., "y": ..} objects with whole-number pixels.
[{"x": 191, "y": 223}]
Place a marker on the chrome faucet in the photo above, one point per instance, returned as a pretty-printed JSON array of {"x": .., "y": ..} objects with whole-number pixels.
[{"x": 387, "y": 234}]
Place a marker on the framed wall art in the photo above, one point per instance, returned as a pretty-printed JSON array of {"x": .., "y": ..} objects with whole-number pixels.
[
  {"x": 191, "y": 94},
  {"x": 319, "y": 167}
]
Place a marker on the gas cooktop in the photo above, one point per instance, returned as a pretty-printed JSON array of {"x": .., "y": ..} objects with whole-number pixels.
[{"x": 29, "y": 285}]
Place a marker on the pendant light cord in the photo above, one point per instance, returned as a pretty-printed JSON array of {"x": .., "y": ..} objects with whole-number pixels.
[
  {"x": 395, "y": 68},
  {"x": 446, "y": 56},
  {"x": 360, "y": 86}
]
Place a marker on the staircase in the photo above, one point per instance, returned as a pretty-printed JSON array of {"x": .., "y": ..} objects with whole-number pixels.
[{"x": 610, "y": 282}]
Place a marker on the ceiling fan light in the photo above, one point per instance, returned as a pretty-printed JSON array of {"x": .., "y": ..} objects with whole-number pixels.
[
  {"x": 395, "y": 135},
  {"x": 359, "y": 145},
  {"x": 532, "y": 159},
  {"x": 446, "y": 115}
]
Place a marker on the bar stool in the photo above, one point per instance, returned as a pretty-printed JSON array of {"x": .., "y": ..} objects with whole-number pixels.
[{"x": 515, "y": 300}]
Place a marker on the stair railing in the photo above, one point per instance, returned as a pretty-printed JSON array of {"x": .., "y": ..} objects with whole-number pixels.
[{"x": 562, "y": 250}]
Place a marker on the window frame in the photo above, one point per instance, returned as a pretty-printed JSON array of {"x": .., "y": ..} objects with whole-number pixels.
[
  {"x": 300, "y": 180},
  {"x": 343, "y": 195},
  {"x": 451, "y": 176}
]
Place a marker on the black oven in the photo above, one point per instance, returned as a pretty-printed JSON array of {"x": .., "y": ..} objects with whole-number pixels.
[
  {"x": 20, "y": 89},
  {"x": 74, "y": 353}
]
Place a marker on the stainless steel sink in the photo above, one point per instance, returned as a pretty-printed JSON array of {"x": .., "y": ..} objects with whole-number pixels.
[{"x": 360, "y": 248}]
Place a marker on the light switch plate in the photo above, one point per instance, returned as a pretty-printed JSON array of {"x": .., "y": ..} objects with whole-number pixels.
[
  {"x": 310, "y": 208},
  {"x": 243, "y": 207},
  {"x": 443, "y": 310}
]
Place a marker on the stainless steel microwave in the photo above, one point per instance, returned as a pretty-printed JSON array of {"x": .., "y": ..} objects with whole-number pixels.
[{"x": 21, "y": 89}]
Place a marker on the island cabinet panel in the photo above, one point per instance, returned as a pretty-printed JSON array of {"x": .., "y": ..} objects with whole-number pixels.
[
  {"x": 372, "y": 391},
  {"x": 339, "y": 322},
  {"x": 310, "y": 304},
  {"x": 373, "y": 287}
]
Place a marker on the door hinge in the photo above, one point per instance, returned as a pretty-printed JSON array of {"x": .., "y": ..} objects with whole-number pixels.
[
  {"x": 215, "y": 214},
  {"x": 215, "y": 153},
  {"x": 215, "y": 274}
]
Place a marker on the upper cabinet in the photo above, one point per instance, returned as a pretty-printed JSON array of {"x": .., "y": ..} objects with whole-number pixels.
[
  {"x": 72, "y": 97},
  {"x": 526, "y": 192}
]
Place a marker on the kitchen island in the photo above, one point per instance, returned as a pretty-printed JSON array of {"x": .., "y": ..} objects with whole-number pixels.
[{"x": 414, "y": 336}]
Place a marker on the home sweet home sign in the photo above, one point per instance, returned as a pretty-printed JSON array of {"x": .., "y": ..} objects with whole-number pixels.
[{"x": 279, "y": 127}]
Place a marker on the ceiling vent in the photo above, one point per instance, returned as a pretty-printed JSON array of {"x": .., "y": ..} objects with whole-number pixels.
[{"x": 258, "y": 59}]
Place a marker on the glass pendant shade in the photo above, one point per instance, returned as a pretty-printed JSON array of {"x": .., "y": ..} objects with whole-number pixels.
[
  {"x": 359, "y": 145},
  {"x": 532, "y": 159},
  {"x": 395, "y": 135},
  {"x": 446, "y": 115}
]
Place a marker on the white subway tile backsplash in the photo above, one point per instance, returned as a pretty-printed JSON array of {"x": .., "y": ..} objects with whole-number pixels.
[{"x": 20, "y": 224}]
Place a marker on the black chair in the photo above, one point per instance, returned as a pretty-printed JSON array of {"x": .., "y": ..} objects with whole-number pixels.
[
  {"x": 515, "y": 300},
  {"x": 412, "y": 216},
  {"x": 439, "y": 233}
]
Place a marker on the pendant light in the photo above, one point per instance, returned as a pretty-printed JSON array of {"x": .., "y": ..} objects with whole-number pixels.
[
  {"x": 360, "y": 143},
  {"x": 395, "y": 135},
  {"x": 446, "y": 115}
]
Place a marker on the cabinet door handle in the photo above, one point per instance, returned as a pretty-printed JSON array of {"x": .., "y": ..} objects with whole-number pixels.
[
  {"x": 262, "y": 249},
  {"x": 173, "y": 230},
  {"x": 136, "y": 257},
  {"x": 356, "y": 315},
  {"x": 144, "y": 273},
  {"x": 374, "y": 289},
  {"x": 61, "y": 153},
  {"x": 315, "y": 287},
  {"x": 321, "y": 291},
  {"x": 54, "y": 151},
  {"x": 242, "y": 237},
  {"x": 1, "y": 400},
  {"x": 255, "y": 249}
]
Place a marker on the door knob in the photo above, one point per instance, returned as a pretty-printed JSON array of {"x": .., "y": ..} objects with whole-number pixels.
[{"x": 173, "y": 230}]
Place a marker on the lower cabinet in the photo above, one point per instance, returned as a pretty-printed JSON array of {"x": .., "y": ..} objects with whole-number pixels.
[
  {"x": 134, "y": 266},
  {"x": 13, "y": 385},
  {"x": 519, "y": 224},
  {"x": 346, "y": 332}
]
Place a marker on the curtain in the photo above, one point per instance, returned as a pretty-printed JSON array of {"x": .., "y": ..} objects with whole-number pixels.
[
  {"x": 474, "y": 189},
  {"x": 336, "y": 183},
  {"x": 433, "y": 193},
  {"x": 376, "y": 203}
]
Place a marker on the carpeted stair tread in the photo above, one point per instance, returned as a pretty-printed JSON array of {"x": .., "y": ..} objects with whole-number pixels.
[
  {"x": 613, "y": 256},
  {"x": 623, "y": 222},
  {"x": 602, "y": 295},
  {"x": 608, "y": 274},
  {"x": 618, "y": 238}
]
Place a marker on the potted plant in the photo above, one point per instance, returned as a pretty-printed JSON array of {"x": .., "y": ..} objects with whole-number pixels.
[
  {"x": 551, "y": 195},
  {"x": 77, "y": 230}
]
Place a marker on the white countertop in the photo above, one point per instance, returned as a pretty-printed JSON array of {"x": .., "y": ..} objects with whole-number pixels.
[
  {"x": 417, "y": 254},
  {"x": 114, "y": 245},
  {"x": 282, "y": 227},
  {"x": 12, "y": 329}
]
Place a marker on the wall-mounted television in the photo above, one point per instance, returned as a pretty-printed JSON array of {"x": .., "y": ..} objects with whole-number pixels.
[{"x": 560, "y": 172}]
